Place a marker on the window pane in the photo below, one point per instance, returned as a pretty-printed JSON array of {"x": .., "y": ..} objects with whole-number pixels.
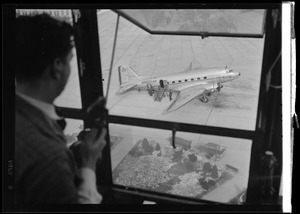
[
  {"x": 202, "y": 166},
  {"x": 158, "y": 56},
  {"x": 232, "y": 21},
  {"x": 70, "y": 97},
  {"x": 72, "y": 130}
]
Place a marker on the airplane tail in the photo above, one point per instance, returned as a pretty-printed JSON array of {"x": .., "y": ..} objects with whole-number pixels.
[{"x": 126, "y": 74}]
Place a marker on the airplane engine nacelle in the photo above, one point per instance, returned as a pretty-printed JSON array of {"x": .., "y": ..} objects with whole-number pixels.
[
  {"x": 203, "y": 99},
  {"x": 209, "y": 92}
]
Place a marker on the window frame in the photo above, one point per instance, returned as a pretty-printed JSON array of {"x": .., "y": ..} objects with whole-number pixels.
[
  {"x": 201, "y": 34},
  {"x": 89, "y": 64},
  {"x": 257, "y": 136}
]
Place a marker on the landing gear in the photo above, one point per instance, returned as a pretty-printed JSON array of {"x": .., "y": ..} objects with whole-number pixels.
[
  {"x": 203, "y": 99},
  {"x": 170, "y": 95},
  {"x": 209, "y": 92}
]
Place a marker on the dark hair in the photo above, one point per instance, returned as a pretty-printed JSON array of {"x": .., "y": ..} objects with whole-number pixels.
[{"x": 39, "y": 40}]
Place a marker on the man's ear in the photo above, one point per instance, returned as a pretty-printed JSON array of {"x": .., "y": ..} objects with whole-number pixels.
[{"x": 57, "y": 68}]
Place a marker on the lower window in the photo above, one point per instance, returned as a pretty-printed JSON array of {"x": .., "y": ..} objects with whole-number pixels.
[{"x": 201, "y": 166}]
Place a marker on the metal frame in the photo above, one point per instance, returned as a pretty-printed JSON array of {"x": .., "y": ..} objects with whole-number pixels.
[
  {"x": 258, "y": 136},
  {"x": 87, "y": 44},
  {"x": 202, "y": 34},
  {"x": 264, "y": 109},
  {"x": 184, "y": 127},
  {"x": 90, "y": 76}
]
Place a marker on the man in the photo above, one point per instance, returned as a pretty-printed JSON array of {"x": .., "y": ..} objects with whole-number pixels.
[{"x": 46, "y": 171}]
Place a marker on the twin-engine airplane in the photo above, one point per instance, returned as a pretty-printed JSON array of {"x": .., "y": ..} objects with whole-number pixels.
[{"x": 195, "y": 83}]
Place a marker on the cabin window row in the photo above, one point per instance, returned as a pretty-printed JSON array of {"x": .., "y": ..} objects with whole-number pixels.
[{"x": 179, "y": 81}]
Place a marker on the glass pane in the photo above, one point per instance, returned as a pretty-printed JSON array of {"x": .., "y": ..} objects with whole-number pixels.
[
  {"x": 233, "y": 21},
  {"x": 186, "y": 64},
  {"x": 72, "y": 130},
  {"x": 202, "y": 166},
  {"x": 71, "y": 96}
]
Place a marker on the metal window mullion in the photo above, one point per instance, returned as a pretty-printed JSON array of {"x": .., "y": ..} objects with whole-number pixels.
[
  {"x": 71, "y": 113},
  {"x": 90, "y": 78},
  {"x": 158, "y": 196},
  {"x": 200, "y": 129}
]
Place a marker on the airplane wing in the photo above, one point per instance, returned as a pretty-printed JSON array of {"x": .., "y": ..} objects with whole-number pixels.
[
  {"x": 187, "y": 94},
  {"x": 126, "y": 88}
]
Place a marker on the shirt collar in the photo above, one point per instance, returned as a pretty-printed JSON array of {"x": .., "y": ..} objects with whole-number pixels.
[{"x": 46, "y": 108}]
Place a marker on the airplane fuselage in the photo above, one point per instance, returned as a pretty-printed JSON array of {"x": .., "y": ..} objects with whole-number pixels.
[
  {"x": 196, "y": 83},
  {"x": 172, "y": 81}
]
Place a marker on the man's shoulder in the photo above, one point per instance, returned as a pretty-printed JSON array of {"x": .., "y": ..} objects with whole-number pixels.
[
  {"x": 34, "y": 132},
  {"x": 30, "y": 120}
]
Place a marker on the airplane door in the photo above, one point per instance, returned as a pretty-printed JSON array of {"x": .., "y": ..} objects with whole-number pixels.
[
  {"x": 165, "y": 84},
  {"x": 161, "y": 83}
]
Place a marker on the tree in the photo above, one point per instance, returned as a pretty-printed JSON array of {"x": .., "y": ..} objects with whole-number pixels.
[
  {"x": 214, "y": 172},
  {"x": 204, "y": 184},
  {"x": 192, "y": 157},
  {"x": 206, "y": 167},
  {"x": 146, "y": 146},
  {"x": 135, "y": 152},
  {"x": 211, "y": 183},
  {"x": 177, "y": 156},
  {"x": 157, "y": 147}
]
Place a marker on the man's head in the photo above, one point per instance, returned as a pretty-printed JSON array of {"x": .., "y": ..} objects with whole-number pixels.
[{"x": 43, "y": 51}]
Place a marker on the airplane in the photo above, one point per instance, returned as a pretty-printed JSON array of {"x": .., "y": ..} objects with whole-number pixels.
[{"x": 196, "y": 82}]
